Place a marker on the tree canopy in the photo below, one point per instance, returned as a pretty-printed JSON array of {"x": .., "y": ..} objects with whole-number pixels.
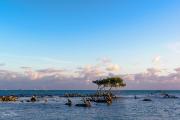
[{"x": 110, "y": 82}]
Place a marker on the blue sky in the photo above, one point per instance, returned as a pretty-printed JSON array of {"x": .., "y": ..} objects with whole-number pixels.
[{"x": 67, "y": 34}]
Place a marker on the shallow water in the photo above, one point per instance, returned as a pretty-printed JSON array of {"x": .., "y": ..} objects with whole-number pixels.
[{"x": 125, "y": 108}]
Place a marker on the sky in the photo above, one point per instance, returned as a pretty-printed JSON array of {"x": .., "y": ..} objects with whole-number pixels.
[{"x": 66, "y": 44}]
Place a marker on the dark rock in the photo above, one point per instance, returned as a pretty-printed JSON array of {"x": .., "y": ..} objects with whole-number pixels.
[
  {"x": 169, "y": 96},
  {"x": 147, "y": 99},
  {"x": 100, "y": 101},
  {"x": 33, "y": 99},
  {"x": 69, "y": 103},
  {"x": 81, "y": 105}
]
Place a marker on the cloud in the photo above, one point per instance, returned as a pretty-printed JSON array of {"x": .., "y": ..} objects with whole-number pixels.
[
  {"x": 177, "y": 70},
  {"x": 90, "y": 72},
  {"x": 128, "y": 77},
  {"x": 8, "y": 75},
  {"x": 99, "y": 70},
  {"x": 52, "y": 78},
  {"x": 153, "y": 79},
  {"x": 154, "y": 71},
  {"x": 44, "y": 73},
  {"x": 39, "y": 79},
  {"x": 81, "y": 77},
  {"x": 156, "y": 60},
  {"x": 113, "y": 68}
]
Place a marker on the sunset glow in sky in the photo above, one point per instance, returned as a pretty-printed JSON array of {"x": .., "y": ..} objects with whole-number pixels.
[{"x": 65, "y": 44}]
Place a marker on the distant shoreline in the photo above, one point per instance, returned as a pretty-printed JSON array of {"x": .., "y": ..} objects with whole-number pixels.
[{"x": 81, "y": 90}]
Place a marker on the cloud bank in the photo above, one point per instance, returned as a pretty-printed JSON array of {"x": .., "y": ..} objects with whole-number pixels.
[
  {"x": 81, "y": 77},
  {"x": 153, "y": 78},
  {"x": 51, "y": 78}
]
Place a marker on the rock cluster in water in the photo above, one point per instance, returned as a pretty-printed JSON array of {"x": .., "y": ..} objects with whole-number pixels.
[
  {"x": 8, "y": 98},
  {"x": 98, "y": 98},
  {"x": 169, "y": 96}
]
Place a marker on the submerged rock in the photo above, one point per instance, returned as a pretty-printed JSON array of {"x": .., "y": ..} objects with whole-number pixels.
[
  {"x": 82, "y": 105},
  {"x": 69, "y": 103},
  {"x": 147, "y": 99},
  {"x": 169, "y": 96},
  {"x": 86, "y": 103},
  {"x": 101, "y": 101}
]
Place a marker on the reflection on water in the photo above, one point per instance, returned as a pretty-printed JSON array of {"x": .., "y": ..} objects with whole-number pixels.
[{"x": 126, "y": 108}]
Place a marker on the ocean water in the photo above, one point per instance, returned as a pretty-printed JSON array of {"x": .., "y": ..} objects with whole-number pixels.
[{"x": 123, "y": 108}]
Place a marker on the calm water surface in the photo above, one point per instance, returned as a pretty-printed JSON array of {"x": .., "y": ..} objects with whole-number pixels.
[{"x": 125, "y": 108}]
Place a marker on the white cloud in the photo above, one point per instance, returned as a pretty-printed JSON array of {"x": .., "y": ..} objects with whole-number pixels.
[
  {"x": 91, "y": 72},
  {"x": 30, "y": 78},
  {"x": 81, "y": 77},
  {"x": 156, "y": 60},
  {"x": 113, "y": 68},
  {"x": 43, "y": 73},
  {"x": 153, "y": 71},
  {"x": 8, "y": 75},
  {"x": 128, "y": 77},
  {"x": 154, "y": 75}
]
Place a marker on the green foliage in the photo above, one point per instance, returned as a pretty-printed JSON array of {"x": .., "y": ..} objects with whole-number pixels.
[{"x": 110, "y": 82}]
